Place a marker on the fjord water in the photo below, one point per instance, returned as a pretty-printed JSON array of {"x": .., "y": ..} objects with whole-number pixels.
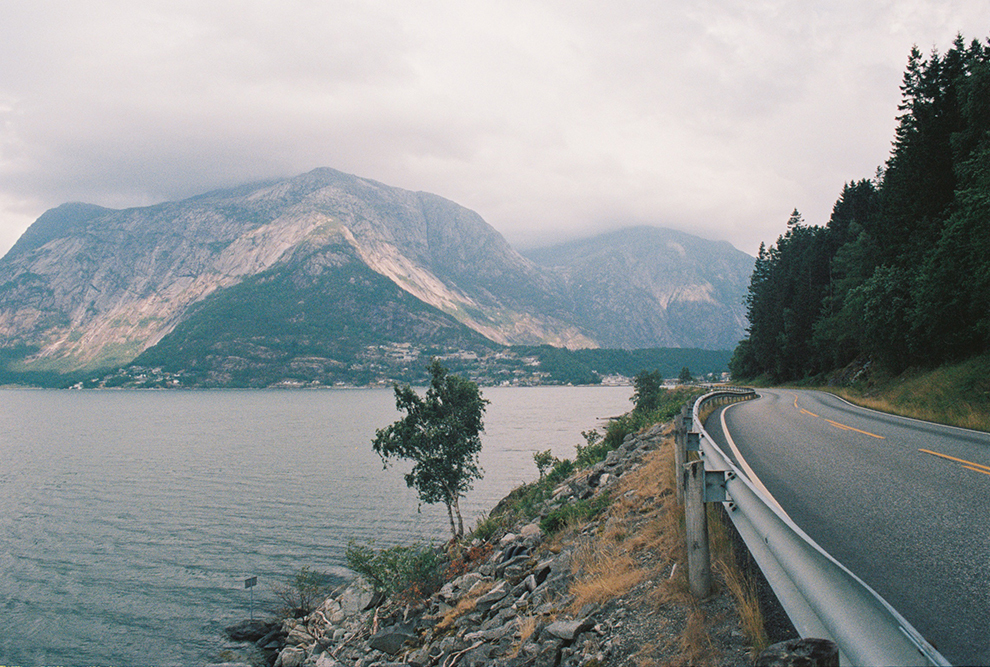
[{"x": 129, "y": 520}]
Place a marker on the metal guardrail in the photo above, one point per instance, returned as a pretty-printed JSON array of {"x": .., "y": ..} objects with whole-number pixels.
[{"x": 822, "y": 597}]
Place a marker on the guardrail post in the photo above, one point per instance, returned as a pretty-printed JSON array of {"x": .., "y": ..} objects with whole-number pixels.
[{"x": 696, "y": 526}]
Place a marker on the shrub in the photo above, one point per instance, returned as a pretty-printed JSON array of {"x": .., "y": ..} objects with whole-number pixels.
[
  {"x": 488, "y": 527},
  {"x": 561, "y": 471},
  {"x": 409, "y": 572},
  {"x": 544, "y": 461},
  {"x": 307, "y": 590},
  {"x": 596, "y": 448},
  {"x": 582, "y": 510}
]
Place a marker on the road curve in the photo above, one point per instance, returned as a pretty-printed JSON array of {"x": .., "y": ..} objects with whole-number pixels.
[{"x": 902, "y": 503}]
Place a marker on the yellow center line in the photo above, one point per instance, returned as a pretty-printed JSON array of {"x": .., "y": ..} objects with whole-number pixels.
[
  {"x": 836, "y": 424},
  {"x": 853, "y": 428},
  {"x": 978, "y": 467}
]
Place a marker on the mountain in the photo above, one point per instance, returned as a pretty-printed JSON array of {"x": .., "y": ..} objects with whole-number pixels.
[
  {"x": 644, "y": 287},
  {"x": 327, "y": 276}
]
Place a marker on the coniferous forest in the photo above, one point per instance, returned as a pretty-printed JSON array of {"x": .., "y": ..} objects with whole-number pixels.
[{"x": 900, "y": 275}]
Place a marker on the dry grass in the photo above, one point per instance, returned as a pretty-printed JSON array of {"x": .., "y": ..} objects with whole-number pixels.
[
  {"x": 527, "y": 626},
  {"x": 922, "y": 400},
  {"x": 642, "y": 537},
  {"x": 602, "y": 572},
  {"x": 696, "y": 647},
  {"x": 736, "y": 581},
  {"x": 464, "y": 606}
]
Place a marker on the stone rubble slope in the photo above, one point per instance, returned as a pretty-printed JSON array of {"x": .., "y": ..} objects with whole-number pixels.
[{"x": 511, "y": 608}]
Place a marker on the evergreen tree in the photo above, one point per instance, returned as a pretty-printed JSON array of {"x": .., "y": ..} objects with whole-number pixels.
[{"x": 901, "y": 273}]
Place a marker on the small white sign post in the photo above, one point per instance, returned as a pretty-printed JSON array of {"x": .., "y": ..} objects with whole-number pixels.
[{"x": 251, "y": 582}]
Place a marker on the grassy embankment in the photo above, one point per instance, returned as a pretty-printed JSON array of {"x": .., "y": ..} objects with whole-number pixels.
[
  {"x": 640, "y": 534},
  {"x": 957, "y": 394},
  {"x": 626, "y": 542}
]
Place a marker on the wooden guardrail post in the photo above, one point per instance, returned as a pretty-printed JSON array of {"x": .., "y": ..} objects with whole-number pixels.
[{"x": 696, "y": 526}]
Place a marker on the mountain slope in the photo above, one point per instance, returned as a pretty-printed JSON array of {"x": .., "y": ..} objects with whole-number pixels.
[
  {"x": 326, "y": 270},
  {"x": 307, "y": 321},
  {"x": 97, "y": 292},
  {"x": 652, "y": 287}
]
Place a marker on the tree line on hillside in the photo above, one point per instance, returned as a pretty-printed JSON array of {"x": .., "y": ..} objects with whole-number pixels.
[{"x": 901, "y": 273}]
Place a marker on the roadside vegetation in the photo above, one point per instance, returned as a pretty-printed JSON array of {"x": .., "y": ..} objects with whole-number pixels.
[
  {"x": 629, "y": 543},
  {"x": 653, "y": 404},
  {"x": 955, "y": 394}
]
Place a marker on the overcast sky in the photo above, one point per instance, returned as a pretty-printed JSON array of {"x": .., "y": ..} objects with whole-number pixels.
[{"x": 552, "y": 119}]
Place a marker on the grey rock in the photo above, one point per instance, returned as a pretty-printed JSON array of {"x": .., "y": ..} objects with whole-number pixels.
[
  {"x": 355, "y": 599},
  {"x": 493, "y": 634},
  {"x": 390, "y": 640},
  {"x": 531, "y": 530},
  {"x": 485, "y": 602},
  {"x": 568, "y": 630},
  {"x": 324, "y": 660},
  {"x": 291, "y": 657},
  {"x": 249, "y": 631},
  {"x": 507, "y": 539},
  {"x": 515, "y": 572}
]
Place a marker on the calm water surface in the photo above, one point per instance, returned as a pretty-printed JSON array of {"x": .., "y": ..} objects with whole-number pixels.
[{"x": 129, "y": 520}]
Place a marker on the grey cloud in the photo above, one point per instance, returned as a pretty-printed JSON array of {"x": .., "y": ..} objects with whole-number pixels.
[{"x": 552, "y": 119}]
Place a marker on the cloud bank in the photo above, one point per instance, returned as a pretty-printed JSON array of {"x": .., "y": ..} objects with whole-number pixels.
[{"x": 552, "y": 119}]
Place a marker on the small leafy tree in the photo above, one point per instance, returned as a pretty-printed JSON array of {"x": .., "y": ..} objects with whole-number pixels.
[
  {"x": 647, "y": 391},
  {"x": 544, "y": 461},
  {"x": 440, "y": 434},
  {"x": 685, "y": 376}
]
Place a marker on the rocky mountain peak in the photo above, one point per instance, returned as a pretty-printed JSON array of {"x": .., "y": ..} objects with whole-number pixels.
[{"x": 89, "y": 287}]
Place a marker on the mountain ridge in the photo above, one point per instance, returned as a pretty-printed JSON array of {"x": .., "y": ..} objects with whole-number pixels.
[{"x": 88, "y": 287}]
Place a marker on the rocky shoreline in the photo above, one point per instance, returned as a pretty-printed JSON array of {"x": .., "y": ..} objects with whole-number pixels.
[{"x": 522, "y": 598}]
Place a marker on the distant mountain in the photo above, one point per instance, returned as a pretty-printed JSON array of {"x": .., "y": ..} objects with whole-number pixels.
[
  {"x": 328, "y": 275},
  {"x": 644, "y": 287}
]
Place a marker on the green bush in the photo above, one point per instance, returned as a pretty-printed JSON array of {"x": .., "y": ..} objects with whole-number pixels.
[
  {"x": 488, "y": 527},
  {"x": 405, "y": 571},
  {"x": 596, "y": 448},
  {"x": 561, "y": 471},
  {"x": 307, "y": 590},
  {"x": 544, "y": 461},
  {"x": 583, "y": 510}
]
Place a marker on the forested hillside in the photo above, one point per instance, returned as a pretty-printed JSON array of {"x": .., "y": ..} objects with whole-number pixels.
[{"x": 900, "y": 275}]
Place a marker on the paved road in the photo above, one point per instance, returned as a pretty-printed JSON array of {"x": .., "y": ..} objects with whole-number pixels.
[{"x": 903, "y": 504}]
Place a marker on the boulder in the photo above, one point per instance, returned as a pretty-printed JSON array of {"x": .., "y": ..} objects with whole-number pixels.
[
  {"x": 531, "y": 530},
  {"x": 356, "y": 598},
  {"x": 507, "y": 539},
  {"x": 291, "y": 657},
  {"x": 568, "y": 630},
  {"x": 466, "y": 581},
  {"x": 391, "y": 639},
  {"x": 250, "y": 631},
  {"x": 486, "y": 601},
  {"x": 808, "y": 652}
]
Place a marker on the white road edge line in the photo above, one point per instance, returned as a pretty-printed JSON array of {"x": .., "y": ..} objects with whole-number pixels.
[
  {"x": 745, "y": 466},
  {"x": 891, "y": 414}
]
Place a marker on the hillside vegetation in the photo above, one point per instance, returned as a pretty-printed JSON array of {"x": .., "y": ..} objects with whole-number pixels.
[
  {"x": 956, "y": 394},
  {"x": 899, "y": 278}
]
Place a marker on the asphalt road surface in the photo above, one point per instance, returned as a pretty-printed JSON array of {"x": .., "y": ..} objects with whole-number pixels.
[{"x": 904, "y": 504}]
